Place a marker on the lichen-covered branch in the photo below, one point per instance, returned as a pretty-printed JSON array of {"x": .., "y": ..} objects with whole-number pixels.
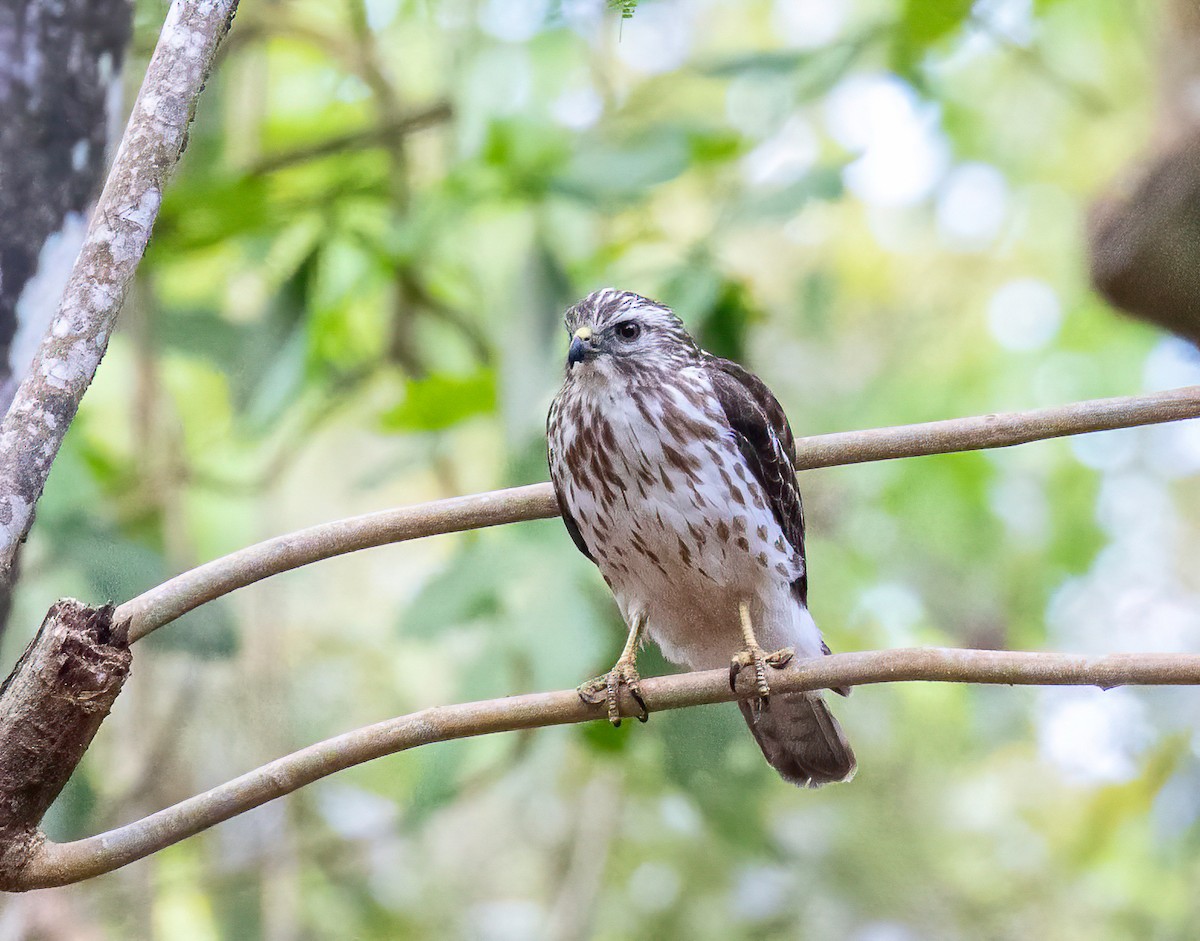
[
  {"x": 70, "y": 352},
  {"x": 176, "y": 597},
  {"x": 60, "y": 864}
]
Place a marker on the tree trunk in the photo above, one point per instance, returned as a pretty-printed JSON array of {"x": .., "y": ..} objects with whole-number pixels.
[{"x": 60, "y": 84}]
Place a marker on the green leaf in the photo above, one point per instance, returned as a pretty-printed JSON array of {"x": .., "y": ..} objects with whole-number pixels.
[
  {"x": 714, "y": 146},
  {"x": 605, "y": 170},
  {"x": 527, "y": 154},
  {"x": 923, "y": 22},
  {"x": 770, "y": 61},
  {"x": 602, "y": 738},
  {"x": 208, "y": 633},
  {"x": 467, "y": 589},
  {"x": 813, "y": 72},
  {"x": 921, "y": 25},
  {"x": 821, "y": 184},
  {"x": 724, "y": 327},
  {"x": 719, "y": 309},
  {"x": 441, "y": 401}
]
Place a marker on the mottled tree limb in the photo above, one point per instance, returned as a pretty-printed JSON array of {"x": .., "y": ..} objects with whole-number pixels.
[
  {"x": 210, "y": 581},
  {"x": 66, "y": 361},
  {"x": 62, "y": 863},
  {"x": 173, "y": 598}
]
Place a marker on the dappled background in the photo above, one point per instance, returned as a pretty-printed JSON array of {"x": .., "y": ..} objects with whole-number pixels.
[{"x": 352, "y": 300}]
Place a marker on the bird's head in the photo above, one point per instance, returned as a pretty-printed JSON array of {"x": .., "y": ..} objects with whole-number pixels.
[{"x": 617, "y": 333}]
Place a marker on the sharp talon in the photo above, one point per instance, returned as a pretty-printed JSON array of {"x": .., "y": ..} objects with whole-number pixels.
[
  {"x": 614, "y": 706},
  {"x": 637, "y": 698},
  {"x": 754, "y": 656},
  {"x": 607, "y": 689}
]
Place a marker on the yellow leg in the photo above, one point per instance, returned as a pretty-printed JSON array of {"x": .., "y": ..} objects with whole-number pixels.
[
  {"x": 633, "y": 641},
  {"x": 607, "y": 688},
  {"x": 752, "y": 655}
]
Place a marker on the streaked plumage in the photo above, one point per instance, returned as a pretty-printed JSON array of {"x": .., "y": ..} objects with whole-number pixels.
[{"x": 674, "y": 470}]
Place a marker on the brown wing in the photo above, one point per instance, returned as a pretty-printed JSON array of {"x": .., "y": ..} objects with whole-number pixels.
[
  {"x": 766, "y": 442},
  {"x": 573, "y": 528},
  {"x": 555, "y": 462}
]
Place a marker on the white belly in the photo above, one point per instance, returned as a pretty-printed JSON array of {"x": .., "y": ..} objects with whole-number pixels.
[{"x": 684, "y": 545}]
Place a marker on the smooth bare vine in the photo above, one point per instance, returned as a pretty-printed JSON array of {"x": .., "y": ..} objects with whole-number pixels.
[
  {"x": 170, "y": 600},
  {"x": 45, "y": 863},
  {"x": 63, "y": 863}
]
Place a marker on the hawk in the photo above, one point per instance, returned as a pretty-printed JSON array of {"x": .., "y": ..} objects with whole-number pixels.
[{"x": 675, "y": 474}]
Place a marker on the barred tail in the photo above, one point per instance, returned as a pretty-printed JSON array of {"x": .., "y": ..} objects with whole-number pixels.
[{"x": 801, "y": 739}]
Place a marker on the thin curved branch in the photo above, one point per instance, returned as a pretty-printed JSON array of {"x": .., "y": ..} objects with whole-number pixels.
[
  {"x": 62, "y": 863},
  {"x": 78, "y": 335},
  {"x": 999, "y": 430},
  {"x": 181, "y": 594},
  {"x": 170, "y": 600}
]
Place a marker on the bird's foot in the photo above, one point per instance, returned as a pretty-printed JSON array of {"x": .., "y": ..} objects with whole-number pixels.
[
  {"x": 755, "y": 657},
  {"x": 607, "y": 689}
]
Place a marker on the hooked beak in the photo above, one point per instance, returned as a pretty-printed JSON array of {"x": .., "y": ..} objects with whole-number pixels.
[{"x": 581, "y": 346}]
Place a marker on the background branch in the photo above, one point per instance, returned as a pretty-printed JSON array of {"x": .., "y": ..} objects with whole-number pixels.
[
  {"x": 70, "y": 352},
  {"x": 63, "y": 863},
  {"x": 176, "y": 597},
  {"x": 378, "y": 135}
]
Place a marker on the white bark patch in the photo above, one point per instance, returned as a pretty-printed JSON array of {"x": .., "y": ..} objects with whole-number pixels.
[
  {"x": 105, "y": 67},
  {"x": 32, "y": 72},
  {"x": 80, "y": 153},
  {"x": 39, "y": 300},
  {"x": 146, "y": 211},
  {"x": 78, "y": 365},
  {"x": 114, "y": 101},
  {"x": 126, "y": 235},
  {"x": 14, "y": 516}
]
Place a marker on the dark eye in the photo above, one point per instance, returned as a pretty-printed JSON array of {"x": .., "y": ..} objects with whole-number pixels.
[{"x": 629, "y": 330}]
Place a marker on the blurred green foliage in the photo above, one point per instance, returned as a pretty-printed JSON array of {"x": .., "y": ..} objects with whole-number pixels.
[{"x": 877, "y": 205}]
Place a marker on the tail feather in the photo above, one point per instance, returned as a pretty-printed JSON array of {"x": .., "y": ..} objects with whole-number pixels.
[{"x": 801, "y": 739}]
